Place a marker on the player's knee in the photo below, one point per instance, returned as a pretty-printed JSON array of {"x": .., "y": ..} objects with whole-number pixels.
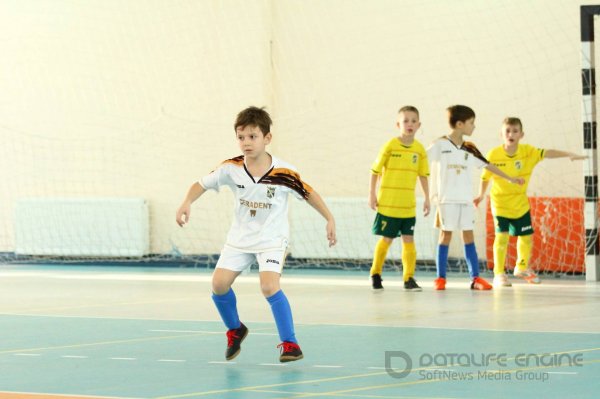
[
  {"x": 220, "y": 287},
  {"x": 501, "y": 239},
  {"x": 269, "y": 288},
  {"x": 445, "y": 237}
]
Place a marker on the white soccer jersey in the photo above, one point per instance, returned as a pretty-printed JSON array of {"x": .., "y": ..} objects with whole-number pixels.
[
  {"x": 260, "y": 222},
  {"x": 455, "y": 166}
]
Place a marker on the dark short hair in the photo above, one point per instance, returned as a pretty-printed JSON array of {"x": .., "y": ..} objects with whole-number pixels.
[
  {"x": 254, "y": 116},
  {"x": 409, "y": 108},
  {"x": 512, "y": 121},
  {"x": 459, "y": 113}
]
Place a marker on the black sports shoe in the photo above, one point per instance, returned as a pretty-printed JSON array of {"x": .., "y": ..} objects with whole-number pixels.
[
  {"x": 376, "y": 282},
  {"x": 234, "y": 340},
  {"x": 289, "y": 352},
  {"x": 411, "y": 285}
]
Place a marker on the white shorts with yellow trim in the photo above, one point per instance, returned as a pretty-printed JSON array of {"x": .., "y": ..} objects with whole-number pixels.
[
  {"x": 454, "y": 217},
  {"x": 237, "y": 261}
]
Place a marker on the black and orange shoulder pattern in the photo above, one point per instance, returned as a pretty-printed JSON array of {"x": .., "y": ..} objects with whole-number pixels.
[
  {"x": 472, "y": 149},
  {"x": 239, "y": 160},
  {"x": 288, "y": 178}
]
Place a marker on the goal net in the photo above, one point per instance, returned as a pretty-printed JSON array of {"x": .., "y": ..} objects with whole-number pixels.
[{"x": 109, "y": 111}]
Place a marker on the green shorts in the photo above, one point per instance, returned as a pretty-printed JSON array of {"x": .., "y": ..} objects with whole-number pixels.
[
  {"x": 515, "y": 227},
  {"x": 393, "y": 227}
]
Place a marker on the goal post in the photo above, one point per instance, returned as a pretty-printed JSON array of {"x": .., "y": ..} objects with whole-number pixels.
[{"x": 590, "y": 169}]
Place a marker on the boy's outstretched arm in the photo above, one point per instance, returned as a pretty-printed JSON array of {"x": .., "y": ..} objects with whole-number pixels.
[
  {"x": 315, "y": 200},
  {"x": 563, "y": 154},
  {"x": 483, "y": 185},
  {"x": 183, "y": 213},
  {"x": 425, "y": 187},
  {"x": 494, "y": 169}
]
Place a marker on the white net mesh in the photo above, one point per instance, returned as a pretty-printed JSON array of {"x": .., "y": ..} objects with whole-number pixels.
[{"x": 111, "y": 99}]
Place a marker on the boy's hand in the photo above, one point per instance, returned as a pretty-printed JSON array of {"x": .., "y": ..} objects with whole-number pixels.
[
  {"x": 517, "y": 180},
  {"x": 577, "y": 157},
  {"x": 373, "y": 201},
  {"x": 331, "y": 233},
  {"x": 478, "y": 200},
  {"x": 183, "y": 214},
  {"x": 426, "y": 207}
]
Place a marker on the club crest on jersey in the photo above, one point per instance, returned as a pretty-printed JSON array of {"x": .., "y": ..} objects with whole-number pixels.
[
  {"x": 414, "y": 158},
  {"x": 252, "y": 212},
  {"x": 518, "y": 165},
  {"x": 270, "y": 192}
]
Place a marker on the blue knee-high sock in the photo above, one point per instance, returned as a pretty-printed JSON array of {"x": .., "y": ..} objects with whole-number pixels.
[
  {"x": 283, "y": 316},
  {"x": 472, "y": 260},
  {"x": 227, "y": 307},
  {"x": 441, "y": 260}
]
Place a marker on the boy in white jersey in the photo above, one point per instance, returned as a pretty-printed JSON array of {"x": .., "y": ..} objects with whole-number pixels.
[
  {"x": 456, "y": 160},
  {"x": 261, "y": 184},
  {"x": 509, "y": 203}
]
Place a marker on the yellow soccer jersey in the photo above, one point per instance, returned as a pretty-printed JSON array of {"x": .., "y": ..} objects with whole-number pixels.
[
  {"x": 510, "y": 200},
  {"x": 399, "y": 165}
]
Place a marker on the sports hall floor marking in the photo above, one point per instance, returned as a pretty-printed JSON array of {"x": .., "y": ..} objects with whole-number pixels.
[
  {"x": 393, "y": 281},
  {"x": 214, "y": 332},
  {"x": 562, "y": 372},
  {"x": 86, "y": 306},
  {"x": 84, "y": 345},
  {"x": 219, "y": 391},
  {"x": 172, "y": 360},
  {"x": 385, "y": 386},
  {"x": 31, "y": 395},
  {"x": 366, "y": 375}
]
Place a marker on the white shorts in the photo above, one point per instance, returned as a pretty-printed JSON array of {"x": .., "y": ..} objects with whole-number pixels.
[
  {"x": 454, "y": 217},
  {"x": 237, "y": 261}
]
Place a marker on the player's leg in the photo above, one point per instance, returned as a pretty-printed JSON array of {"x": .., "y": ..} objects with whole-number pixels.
[
  {"x": 467, "y": 223},
  {"x": 409, "y": 255},
  {"x": 446, "y": 219},
  {"x": 500, "y": 249},
  {"x": 524, "y": 230},
  {"x": 379, "y": 255},
  {"x": 230, "y": 265},
  {"x": 388, "y": 229},
  {"x": 270, "y": 266}
]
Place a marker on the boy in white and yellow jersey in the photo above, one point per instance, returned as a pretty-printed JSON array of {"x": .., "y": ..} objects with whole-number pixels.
[
  {"x": 509, "y": 202},
  {"x": 261, "y": 185},
  {"x": 455, "y": 159},
  {"x": 400, "y": 162}
]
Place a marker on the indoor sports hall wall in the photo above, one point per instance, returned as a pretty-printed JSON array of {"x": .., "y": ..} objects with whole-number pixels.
[{"x": 137, "y": 99}]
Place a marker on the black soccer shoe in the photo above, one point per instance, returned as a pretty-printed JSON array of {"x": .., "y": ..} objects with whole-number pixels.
[
  {"x": 234, "y": 340},
  {"x": 376, "y": 283}
]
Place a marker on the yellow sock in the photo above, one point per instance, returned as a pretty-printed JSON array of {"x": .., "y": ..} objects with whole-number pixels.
[
  {"x": 381, "y": 249},
  {"x": 500, "y": 249},
  {"x": 409, "y": 260},
  {"x": 524, "y": 244}
]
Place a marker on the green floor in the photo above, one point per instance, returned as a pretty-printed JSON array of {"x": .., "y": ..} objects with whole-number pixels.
[{"x": 184, "y": 359}]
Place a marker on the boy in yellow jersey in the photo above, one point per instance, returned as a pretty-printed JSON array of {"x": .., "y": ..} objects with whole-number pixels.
[
  {"x": 400, "y": 161},
  {"x": 509, "y": 202}
]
